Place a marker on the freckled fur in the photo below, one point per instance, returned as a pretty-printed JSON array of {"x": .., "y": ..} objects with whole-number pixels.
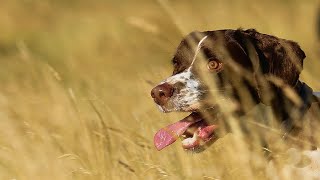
[{"x": 188, "y": 95}]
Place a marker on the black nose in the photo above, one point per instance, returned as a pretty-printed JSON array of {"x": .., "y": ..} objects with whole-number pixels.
[{"x": 162, "y": 93}]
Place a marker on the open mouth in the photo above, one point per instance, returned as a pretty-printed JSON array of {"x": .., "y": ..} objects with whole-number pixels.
[{"x": 193, "y": 131}]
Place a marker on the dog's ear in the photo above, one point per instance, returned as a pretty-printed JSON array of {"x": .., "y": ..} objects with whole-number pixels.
[
  {"x": 278, "y": 57},
  {"x": 265, "y": 56}
]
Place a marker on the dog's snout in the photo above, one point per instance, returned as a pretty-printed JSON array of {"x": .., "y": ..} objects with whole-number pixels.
[{"x": 162, "y": 93}]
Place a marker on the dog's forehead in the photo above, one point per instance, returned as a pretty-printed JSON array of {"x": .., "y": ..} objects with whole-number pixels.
[
  {"x": 186, "y": 50},
  {"x": 194, "y": 46}
]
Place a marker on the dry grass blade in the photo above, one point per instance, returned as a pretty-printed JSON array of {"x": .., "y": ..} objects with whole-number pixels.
[{"x": 55, "y": 54}]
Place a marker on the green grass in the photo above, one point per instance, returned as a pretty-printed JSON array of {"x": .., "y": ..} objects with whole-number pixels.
[{"x": 76, "y": 77}]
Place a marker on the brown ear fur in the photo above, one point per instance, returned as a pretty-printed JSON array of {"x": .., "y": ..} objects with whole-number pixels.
[{"x": 279, "y": 57}]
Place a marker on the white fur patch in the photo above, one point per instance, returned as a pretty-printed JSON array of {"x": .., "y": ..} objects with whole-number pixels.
[
  {"x": 291, "y": 171},
  {"x": 317, "y": 94},
  {"x": 197, "y": 51},
  {"x": 187, "y": 96}
]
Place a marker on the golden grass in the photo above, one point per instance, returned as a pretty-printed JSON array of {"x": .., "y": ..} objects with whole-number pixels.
[{"x": 76, "y": 75}]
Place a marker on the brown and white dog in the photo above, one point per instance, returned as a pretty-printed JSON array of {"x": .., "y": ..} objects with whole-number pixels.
[{"x": 242, "y": 68}]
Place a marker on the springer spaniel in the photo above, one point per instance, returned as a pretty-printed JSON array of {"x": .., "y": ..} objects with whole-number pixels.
[{"x": 240, "y": 68}]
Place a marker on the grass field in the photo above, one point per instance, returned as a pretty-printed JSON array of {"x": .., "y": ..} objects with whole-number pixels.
[{"x": 76, "y": 78}]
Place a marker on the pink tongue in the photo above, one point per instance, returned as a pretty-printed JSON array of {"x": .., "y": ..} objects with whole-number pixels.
[{"x": 168, "y": 135}]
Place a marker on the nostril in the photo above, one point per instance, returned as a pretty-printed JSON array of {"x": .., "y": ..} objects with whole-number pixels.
[
  {"x": 167, "y": 90},
  {"x": 161, "y": 94},
  {"x": 152, "y": 94}
]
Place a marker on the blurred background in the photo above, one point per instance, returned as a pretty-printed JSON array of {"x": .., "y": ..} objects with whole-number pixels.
[{"x": 76, "y": 77}]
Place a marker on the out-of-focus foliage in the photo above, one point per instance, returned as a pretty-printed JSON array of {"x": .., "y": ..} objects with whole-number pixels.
[{"x": 76, "y": 77}]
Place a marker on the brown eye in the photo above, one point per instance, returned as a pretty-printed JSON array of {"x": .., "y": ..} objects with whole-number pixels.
[
  {"x": 214, "y": 66},
  {"x": 175, "y": 62}
]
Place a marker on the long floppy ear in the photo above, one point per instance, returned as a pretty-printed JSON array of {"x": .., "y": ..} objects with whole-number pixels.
[
  {"x": 279, "y": 57},
  {"x": 281, "y": 60}
]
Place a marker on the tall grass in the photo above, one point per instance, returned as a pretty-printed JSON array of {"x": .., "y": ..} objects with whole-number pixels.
[{"x": 76, "y": 75}]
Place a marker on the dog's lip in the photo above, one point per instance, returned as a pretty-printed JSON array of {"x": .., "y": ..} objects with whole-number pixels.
[{"x": 202, "y": 132}]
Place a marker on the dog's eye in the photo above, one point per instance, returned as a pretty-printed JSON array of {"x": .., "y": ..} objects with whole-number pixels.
[
  {"x": 175, "y": 62},
  {"x": 214, "y": 65}
]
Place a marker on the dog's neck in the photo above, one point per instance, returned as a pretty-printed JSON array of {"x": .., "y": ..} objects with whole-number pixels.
[{"x": 306, "y": 94}]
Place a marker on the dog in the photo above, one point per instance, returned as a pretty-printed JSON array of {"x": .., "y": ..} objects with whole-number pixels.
[{"x": 240, "y": 68}]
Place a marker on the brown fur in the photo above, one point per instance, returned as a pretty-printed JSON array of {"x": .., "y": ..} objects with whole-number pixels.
[{"x": 273, "y": 65}]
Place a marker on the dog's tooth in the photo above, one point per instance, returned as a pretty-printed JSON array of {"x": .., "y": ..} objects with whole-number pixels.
[{"x": 191, "y": 142}]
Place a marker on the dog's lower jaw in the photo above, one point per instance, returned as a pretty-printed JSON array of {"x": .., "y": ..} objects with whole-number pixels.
[
  {"x": 193, "y": 107},
  {"x": 185, "y": 108}
]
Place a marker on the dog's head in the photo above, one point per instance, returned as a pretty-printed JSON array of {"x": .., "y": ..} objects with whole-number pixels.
[{"x": 217, "y": 65}]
